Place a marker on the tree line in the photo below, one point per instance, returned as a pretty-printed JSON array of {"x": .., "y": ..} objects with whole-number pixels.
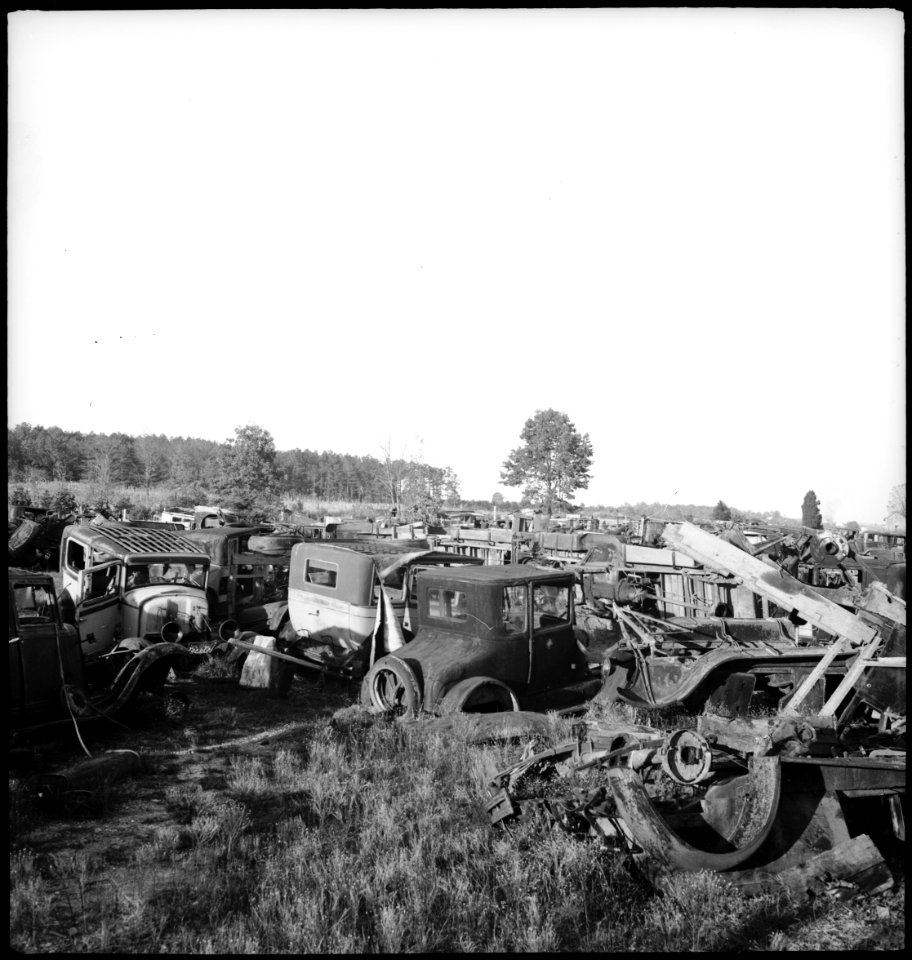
[{"x": 193, "y": 465}]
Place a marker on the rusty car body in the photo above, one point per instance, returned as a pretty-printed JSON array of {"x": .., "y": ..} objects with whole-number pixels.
[
  {"x": 52, "y": 682},
  {"x": 348, "y": 601},
  {"x": 488, "y": 638},
  {"x": 242, "y": 578},
  {"x": 121, "y": 581}
]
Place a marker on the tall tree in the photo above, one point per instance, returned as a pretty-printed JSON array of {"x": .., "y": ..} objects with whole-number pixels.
[
  {"x": 552, "y": 463},
  {"x": 110, "y": 460},
  {"x": 247, "y": 469},
  {"x": 149, "y": 451},
  {"x": 810, "y": 511},
  {"x": 722, "y": 511}
]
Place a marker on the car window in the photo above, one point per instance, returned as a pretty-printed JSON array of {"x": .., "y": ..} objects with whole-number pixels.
[
  {"x": 551, "y": 605},
  {"x": 321, "y": 573},
  {"x": 515, "y": 613},
  {"x": 75, "y": 555},
  {"x": 101, "y": 582},
  {"x": 34, "y": 604},
  {"x": 446, "y": 604}
]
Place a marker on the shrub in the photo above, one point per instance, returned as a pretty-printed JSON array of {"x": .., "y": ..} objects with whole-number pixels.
[
  {"x": 19, "y": 496},
  {"x": 64, "y": 502}
]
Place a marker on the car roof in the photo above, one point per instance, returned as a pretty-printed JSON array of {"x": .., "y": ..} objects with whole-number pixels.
[
  {"x": 119, "y": 539},
  {"x": 385, "y": 546},
  {"x": 495, "y": 573}
]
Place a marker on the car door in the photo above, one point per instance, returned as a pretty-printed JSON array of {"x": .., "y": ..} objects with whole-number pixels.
[
  {"x": 98, "y": 607},
  {"x": 553, "y": 653},
  {"x": 320, "y": 606},
  {"x": 512, "y": 664}
]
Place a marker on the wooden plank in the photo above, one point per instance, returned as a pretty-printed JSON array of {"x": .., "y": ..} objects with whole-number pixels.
[
  {"x": 853, "y": 674},
  {"x": 805, "y": 687},
  {"x": 761, "y": 578}
]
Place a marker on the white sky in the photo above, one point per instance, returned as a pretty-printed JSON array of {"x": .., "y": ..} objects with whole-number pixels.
[{"x": 683, "y": 228}]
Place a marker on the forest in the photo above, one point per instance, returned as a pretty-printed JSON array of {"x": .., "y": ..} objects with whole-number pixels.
[
  {"x": 193, "y": 467},
  {"x": 194, "y": 470}
]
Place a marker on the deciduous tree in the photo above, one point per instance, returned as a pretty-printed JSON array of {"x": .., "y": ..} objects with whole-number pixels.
[
  {"x": 553, "y": 462},
  {"x": 150, "y": 453},
  {"x": 247, "y": 469}
]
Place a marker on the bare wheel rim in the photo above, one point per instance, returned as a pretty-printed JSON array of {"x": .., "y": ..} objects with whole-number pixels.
[{"x": 389, "y": 690}]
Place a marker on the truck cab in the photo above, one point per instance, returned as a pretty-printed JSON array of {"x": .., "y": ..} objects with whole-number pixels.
[
  {"x": 239, "y": 577},
  {"x": 488, "y": 638},
  {"x": 121, "y": 581}
]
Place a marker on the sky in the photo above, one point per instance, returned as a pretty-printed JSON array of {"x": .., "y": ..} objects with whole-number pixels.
[{"x": 411, "y": 230}]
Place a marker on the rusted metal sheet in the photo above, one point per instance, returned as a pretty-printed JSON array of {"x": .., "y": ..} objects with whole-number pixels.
[{"x": 856, "y": 861}]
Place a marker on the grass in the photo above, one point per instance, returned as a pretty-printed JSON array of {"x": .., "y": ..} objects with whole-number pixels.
[
  {"x": 368, "y": 836},
  {"x": 146, "y": 502}
]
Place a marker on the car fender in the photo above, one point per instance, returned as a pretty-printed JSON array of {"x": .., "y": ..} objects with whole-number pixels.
[{"x": 473, "y": 691}]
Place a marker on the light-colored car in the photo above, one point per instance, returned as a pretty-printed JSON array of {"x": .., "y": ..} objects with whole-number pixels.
[{"x": 122, "y": 581}]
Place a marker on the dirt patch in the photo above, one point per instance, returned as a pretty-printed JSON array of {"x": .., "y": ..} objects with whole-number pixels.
[{"x": 111, "y": 823}]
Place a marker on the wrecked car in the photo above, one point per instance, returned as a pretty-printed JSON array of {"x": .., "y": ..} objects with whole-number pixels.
[
  {"x": 348, "y": 601},
  {"x": 199, "y": 517},
  {"x": 687, "y": 661},
  {"x": 52, "y": 682},
  {"x": 240, "y": 576},
  {"x": 790, "y": 798},
  {"x": 487, "y": 638},
  {"x": 121, "y": 581}
]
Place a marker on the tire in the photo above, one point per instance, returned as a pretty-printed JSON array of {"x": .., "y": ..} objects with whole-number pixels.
[
  {"x": 272, "y": 545},
  {"x": 391, "y": 685},
  {"x": 23, "y": 538}
]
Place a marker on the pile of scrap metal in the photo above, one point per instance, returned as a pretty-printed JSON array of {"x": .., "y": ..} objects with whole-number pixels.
[
  {"x": 745, "y": 615},
  {"x": 809, "y": 792},
  {"x": 664, "y": 581}
]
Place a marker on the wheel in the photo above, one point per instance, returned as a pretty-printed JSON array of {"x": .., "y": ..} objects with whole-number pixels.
[
  {"x": 391, "y": 685},
  {"x": 22, "y": 539}
]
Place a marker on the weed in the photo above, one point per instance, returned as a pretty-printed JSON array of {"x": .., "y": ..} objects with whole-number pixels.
[
  {"x": 248, "y": 777},
  {"x": 371, "y": 836},
  {"x": 30, "y": 898}
]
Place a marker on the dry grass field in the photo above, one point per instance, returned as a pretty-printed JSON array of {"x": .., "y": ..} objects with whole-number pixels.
[
  {"x": 158, "y": 497},
  {"x": 267, "y": 826}
]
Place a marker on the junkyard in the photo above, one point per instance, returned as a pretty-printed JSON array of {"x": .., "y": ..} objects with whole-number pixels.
[
  {"x": 456, "y": 480},
  {"x": 663, "y": 723}
]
